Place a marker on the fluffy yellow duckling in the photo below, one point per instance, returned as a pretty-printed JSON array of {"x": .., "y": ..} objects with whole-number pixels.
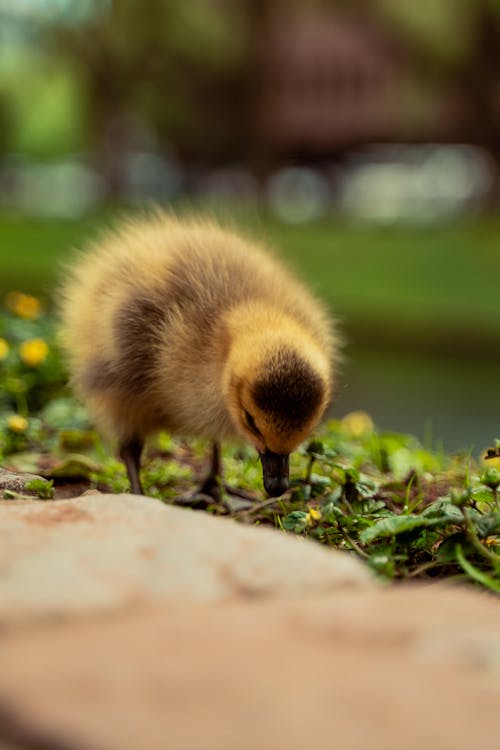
[{"x": 185, "y": 326}]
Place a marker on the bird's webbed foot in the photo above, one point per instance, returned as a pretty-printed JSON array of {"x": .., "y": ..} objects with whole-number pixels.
[
  {"x": 208, "y": 493},
  {"x": 229, "y": 499},
  {"x": 213, "y": 491}
]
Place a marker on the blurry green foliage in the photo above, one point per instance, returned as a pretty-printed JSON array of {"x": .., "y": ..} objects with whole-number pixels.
[
  {"x": 169, "y": 61},
  {"x": 45, "y": 108},
  {"x": 190, "y": 72},
  {"x": 31, "y": 370}
]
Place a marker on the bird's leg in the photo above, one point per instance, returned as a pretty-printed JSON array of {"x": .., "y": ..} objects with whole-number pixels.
[
  {"x": 212, "y": 484},
  {"x": 130, "y": 453},
  {"x": 211, "y": 490}
]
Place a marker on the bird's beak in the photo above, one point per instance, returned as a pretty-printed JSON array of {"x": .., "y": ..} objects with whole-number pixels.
[{"x": 276, "y": 472}]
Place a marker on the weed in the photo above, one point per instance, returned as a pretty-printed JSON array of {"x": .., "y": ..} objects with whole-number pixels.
[{"x": 43, "y": 488}]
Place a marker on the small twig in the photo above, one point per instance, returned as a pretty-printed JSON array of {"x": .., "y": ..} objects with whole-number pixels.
[
  {"x": 347, "y": 503},
  {"x": 425, "y": 566},
  {"x": 237, "y": 492},
  {"x": 259, "y": 506},
  {"x": 353, "y": 544}
]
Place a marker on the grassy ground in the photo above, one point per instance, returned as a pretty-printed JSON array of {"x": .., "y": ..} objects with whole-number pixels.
[
  {"x": 431, "y": 286},
  {"x": 436, "y": 277},
  {"x": 407, "y": 512}
]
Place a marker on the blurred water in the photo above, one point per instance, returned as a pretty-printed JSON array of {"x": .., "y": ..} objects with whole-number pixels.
[{"x": 445, "y": 401}]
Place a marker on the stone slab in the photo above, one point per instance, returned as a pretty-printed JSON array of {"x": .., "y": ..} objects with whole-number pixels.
[
  {"x": 102, "y": 553},
  {"x": 407, "y": 667}
]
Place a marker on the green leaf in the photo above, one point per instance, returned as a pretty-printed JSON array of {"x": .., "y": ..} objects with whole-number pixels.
[
  {"x": 43, "y": 488},
  {"x": 73, "y": 466},
  {"x": 302, "y": 492},
  {"x": 295, "y": 521},
  {"x": 475, "y": 573},
  {"x": 398, "y": 525},
  {"x": 372, "y": 506},
  {"x": 25, "y": 463},
  {"x": 402, "y": 462},
  {"x": 320, "y": 479},
  {"x": 487, "y": 525},
  {"x": 441, "y": 508},
  {"x": 366, "y": 486},
  {"x": 332, "y": 498},
  {"x": 65, "y": 413},
  {"x": 446, "y": 550},
  {"x": 383, "y": 565},
  {"x": 71, "y": 439},
  {"x": 482, "y": 495}
]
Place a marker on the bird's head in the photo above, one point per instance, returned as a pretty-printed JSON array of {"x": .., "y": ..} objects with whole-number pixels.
[{"x": 276, "y": 395}]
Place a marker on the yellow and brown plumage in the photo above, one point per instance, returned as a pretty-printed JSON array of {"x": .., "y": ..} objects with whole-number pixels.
[{"x": 185, "y": 326}]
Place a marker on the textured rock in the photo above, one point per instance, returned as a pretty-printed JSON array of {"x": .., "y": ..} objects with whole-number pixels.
[
  {"x": 189, "y": 642},
  {"x": 17, "y": 483},
  {"x": 105, "y": 552},
  {"x": 406, "y": 667}
]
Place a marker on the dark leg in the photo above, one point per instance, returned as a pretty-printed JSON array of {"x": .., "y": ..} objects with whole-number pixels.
[
  {"x": 130, "y": 453},
  {"x": 211, "y": 489},
  {"x": 211, "y": 484}
]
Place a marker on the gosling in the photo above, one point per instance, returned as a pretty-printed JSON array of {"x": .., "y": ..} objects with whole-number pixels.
[{"x": 188, "y": 327}]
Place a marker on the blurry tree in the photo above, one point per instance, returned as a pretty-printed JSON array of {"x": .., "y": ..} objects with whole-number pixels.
[
  {"x": 463, "y": 56},
  {"x": 192, "y": 68},
  {"x": 455, "y": 47},
  {"x": 4, "y": 123},
  {"x": 175, "y": 64}
]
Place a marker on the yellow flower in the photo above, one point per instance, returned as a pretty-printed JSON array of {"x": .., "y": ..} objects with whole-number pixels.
[
  {"x": 313, "y": 516},
  {"x": 16, "y": 423},
  {"x": 358, "y": 423},
  {"x": 492, "y": 462},
  {"x": 33, "y": 352},
  {"x": 4, "y": 349},
  {"x": 24, "y": 305}
]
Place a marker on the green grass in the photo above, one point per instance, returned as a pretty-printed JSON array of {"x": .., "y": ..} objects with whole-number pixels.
[
  {"x": 437, "y": 286},
  {"x": 32, "y": 251}
]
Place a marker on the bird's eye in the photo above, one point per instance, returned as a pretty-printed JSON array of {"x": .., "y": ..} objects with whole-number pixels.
[{"x": 251, "y": 424}]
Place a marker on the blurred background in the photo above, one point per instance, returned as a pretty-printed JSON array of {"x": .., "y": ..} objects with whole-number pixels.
[{"x": 362, "y": 137}]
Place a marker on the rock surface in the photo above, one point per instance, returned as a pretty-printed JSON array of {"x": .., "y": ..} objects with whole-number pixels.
[
  {"x": 17, "y": 483},
  {"x": 376, "y": 668},
  {"x": 104, "y": 552},
  {"x": 127, "y": 624}
]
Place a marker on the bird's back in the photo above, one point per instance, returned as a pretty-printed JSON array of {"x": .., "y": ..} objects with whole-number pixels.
[{"x": 169, "y": 281}]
